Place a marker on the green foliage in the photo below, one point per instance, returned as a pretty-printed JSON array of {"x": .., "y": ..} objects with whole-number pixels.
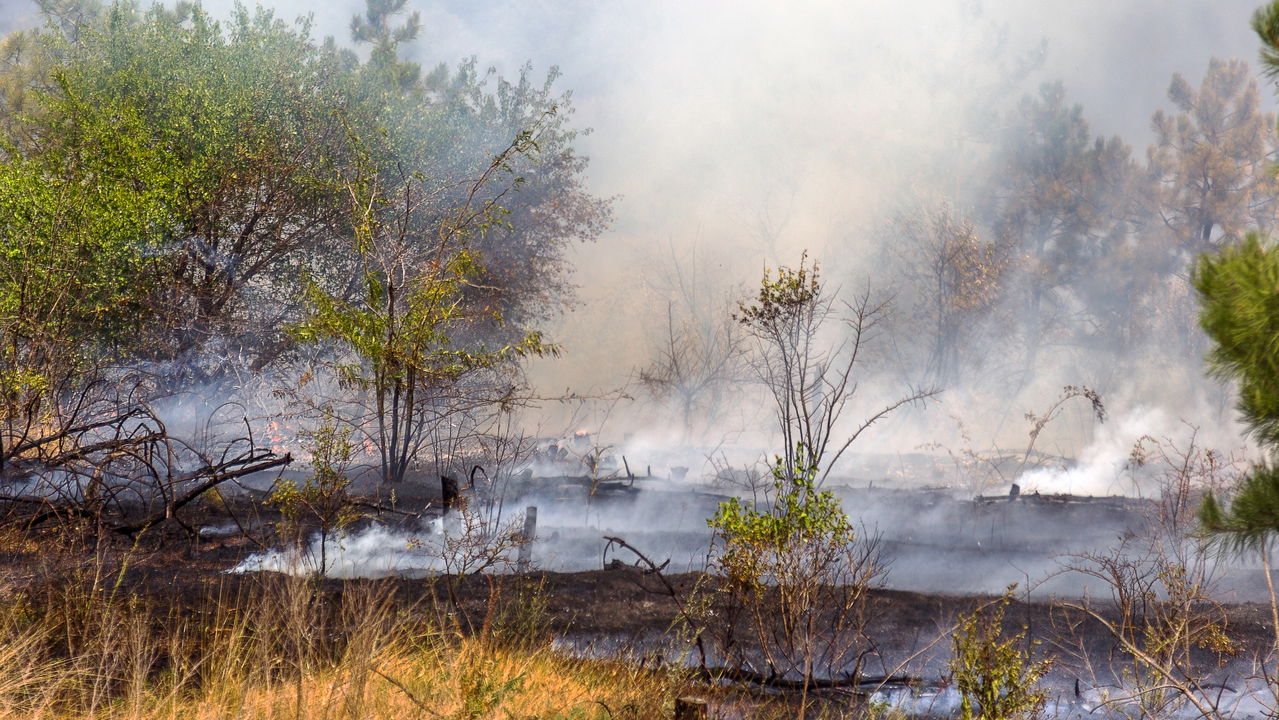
[
  {"x": 1239, "y": 292},
  {"x": 401, "y": 339},
  {"x": 322, "y": 502},
  {"x": 405, "y": 358},
  {"x": 781, "y": 301},
  {"x": 400, "y": 328},
  {"x": 993, "y": 671},
  {"x": 374, "y": 27},
  {"x": 240, "y": 139},
  {"x": 795, "y": 576},
  {"x": 1238, "y": 289},
  {"x": 73, "y": 279},
  {"x": 225, "y": 139},
  {"x": 1265, "y": 23},
  {"x": 761, "y": 545},
  {"x": 483, "y": 689},
  {"x": 1251, "y": 519},
  {"x": 245, "y": 125},
  {"x": 77, "y": 255}
]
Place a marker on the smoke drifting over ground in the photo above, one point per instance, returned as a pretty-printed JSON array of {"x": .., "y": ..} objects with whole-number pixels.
[
  {"x": 1103, "y": 463},
  {"x": 737, "y": 135},
  {"x": 754, "y": 131}
]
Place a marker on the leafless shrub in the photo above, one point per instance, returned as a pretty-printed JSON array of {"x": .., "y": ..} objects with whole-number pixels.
[
  {"x": 694, "y": 366},
  {"x": 812, "y": 380},
  {"x": 982, "y": 469},
  {"x": 471, "y": 542},
  {"x": 1168, "y": 634}
]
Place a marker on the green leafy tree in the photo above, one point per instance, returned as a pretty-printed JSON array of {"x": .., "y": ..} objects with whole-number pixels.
[
  {"x": 1237, "y": 287},
  {"x": 72, "y": 282},
  {"x": 376, "y": 28},
  {"x": 179, "y": 193},
  {"x": 254, "y": 128},
  {"x": 237, "y": 130},
  {"x": 448, "y": 123},
  {"x": 408, "y": 365},
  {"x": 1240, "y": 313}
]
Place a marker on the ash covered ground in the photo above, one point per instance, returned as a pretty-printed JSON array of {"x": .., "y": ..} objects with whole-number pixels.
[
  {"x": 932, "y": 538},
  {"x": 948, "y": 551}
]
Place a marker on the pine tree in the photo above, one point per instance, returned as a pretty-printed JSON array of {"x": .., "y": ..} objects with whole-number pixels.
[{"x": 1238, "y": 288}]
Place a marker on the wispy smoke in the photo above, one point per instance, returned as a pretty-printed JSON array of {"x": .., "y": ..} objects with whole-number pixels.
[{"x": 376, "y": 551}]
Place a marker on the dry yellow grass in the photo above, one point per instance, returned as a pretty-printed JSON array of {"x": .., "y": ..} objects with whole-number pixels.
[
  {"x": 466, "y": 680},
  {"x": 287, "y": 652}
]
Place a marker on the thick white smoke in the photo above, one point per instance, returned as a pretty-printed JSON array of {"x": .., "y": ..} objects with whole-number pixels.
[{"x": 1102, "y": 464}]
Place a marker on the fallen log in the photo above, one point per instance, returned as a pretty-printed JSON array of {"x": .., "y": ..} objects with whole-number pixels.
[{"x": 860, "y": 685}]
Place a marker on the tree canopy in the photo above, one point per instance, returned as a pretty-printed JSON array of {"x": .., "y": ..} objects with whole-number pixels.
[
  {"x": 235, "y": 140},
  {"x": 190, "y": 201}
]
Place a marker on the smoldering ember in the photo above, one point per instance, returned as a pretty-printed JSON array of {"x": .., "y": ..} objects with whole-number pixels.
[{"x": 427, "y": 358}]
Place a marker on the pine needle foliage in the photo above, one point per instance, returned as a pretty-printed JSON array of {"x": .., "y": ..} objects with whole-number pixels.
[
  {"x": 1239, "y": 290},
  {"x": 1239, "y": 293}
]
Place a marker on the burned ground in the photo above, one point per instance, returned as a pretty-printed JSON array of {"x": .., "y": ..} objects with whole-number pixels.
[{"x": 621, "y": 608}]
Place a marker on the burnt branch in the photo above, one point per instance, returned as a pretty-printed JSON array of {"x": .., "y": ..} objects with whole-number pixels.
[
  {"x": 209, "y": 477},
  {"x": 656, "y": 570}
]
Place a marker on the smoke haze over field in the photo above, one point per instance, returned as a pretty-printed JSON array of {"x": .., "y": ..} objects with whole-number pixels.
[
  {"x": 754, "y": 130},
  {"x": 757, "y": 130},
  {"x": 408, "y": 322}
]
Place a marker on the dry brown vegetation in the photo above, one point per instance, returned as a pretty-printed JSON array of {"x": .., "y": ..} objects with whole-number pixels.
[{"x": 287, "y": 648}]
